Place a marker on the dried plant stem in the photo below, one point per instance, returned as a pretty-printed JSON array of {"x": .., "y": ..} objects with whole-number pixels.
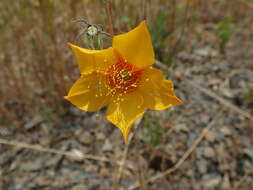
[
  {"x": 210, "y": 93},
  {"x": 221, "y": 100},
  {"x": 186, "y": 21},
  {"x": 173, "y": 15},
  {"x": 75, "y": 154},
  {"x": 243, "y": 179},
  {"x": 185, "y": 156},
  {"x": 144, "y": 9},
  {"x": 143, "y": 183},
  {"x": 109, "y": 16},
  {"x": 124, "y": 157},
  {"x": 122, "y": 164}
]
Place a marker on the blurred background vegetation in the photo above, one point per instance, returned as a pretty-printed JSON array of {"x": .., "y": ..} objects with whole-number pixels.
[{"x": 37, "y": 68}]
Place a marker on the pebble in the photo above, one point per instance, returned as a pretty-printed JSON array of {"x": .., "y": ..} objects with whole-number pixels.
[
  {"x": 107, "y": 146},
  {"x": 248, "y": 152},
  {"x": 100, "y": 136},
  {"x": 80, "y": 187},
  {"x": 32, "y": 165},
  {"x": 209, "y": 152},
  {"x": 202, "y": 166},
  {"x": 180, "y": 128},
  {"x": 20, "y": 181},
  {"x": 210, "y": 136},
  {"x": 34, "y": 122},
  {"x": 52, "y": 161},
  {"x": 44, "y": 180},
  {"x": 206, "y": 52},
  {"x": 226, "y": 131},
  {"x": 76, "y": 112},
  {"x": 86, "y": 138},
  {"x": 211, "y": 181},
  {"x": 226, "y": 185}
]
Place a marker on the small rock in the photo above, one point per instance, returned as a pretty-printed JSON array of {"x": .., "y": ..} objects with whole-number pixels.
[
  {"x": 226, "y": 131},
  {"x": 20, "y": 181},
  {"x": 210, "y": 136},
  {"x": 44, "y": 180},
  {"x": 100, "y": 136},
  {"x": 104, "y": 172},
  {"x": 62, "y": 180},
  {"x": 211, "y": 181},
  {"x": 225, "y": 166},
  {"x": 34, "y": 122},
  {"x": 86, "y": 138},
  {"x": 78, "y": 176},
  {"x": 75, "y": 111},
  {"x": 180, "y": 128},
  {"x": 77, "y": 155},
  {"x": 209, "y": 152},
  {"x": 4, "y": 131},
  {"x": 190, "y": 173},
  {"x": 206, "y": 52},
  {"x": 107, "y": 146},
  {"x": 13, "y": 166},
  {"x": 202, "y": 166},
  {"x": 91, "y": 169},
  {"x": 247, "y": 165},
  {"x": 214, "y": 81},
  {"x": 45, "y": 142},
  {"x": 52, "y": 161},
  {"x": 226, "y": 183},
  {"x": 186, "y": 57},
  {"x": 205, "y": 118},
  {"x": 32, "y": 165},
  {"x": 221, "y": 151},
  {"x": 226, "y": 92}
]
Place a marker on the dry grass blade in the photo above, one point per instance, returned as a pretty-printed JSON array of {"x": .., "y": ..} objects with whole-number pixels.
[
  {"x": 185, "y": 156},
  {"x": 75, "y": 153},
  {"x": 243, "y": 179},
  {"x": 221, "y": 100},
  {"x": 109, "y": 15},
  {"x": 210, "y": 93}
]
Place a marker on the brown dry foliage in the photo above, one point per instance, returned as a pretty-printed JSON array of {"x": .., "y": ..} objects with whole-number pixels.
[{"x": 37, "y": 68}]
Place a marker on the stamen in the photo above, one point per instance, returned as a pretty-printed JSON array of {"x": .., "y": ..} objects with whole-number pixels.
[{"x": 123, "y": 77}]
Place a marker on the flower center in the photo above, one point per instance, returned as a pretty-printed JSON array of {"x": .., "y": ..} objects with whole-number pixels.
[
  {"x": 123, "y": 77},
  {"x": 125, "y": 74}
]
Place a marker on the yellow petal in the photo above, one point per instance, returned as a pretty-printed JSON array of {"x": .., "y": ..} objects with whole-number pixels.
[
  {"x": 124, "y": 111},
  {"x": 93, "y": 60},
  {"x": 136, "y": 46},
  {"x": 157, "y": 92},
  {"x": 89, "y": 93}
]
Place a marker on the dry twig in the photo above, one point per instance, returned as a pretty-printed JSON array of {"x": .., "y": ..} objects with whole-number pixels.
[
  {"x": 210, "y": 93},
  {"x": 75, "y": 153},
  {"x": 184, "y": 157},
  {"x": 243, "y": 179},
  {"x": 221, "y": 100},
  {"x": 109, "y": 15}
]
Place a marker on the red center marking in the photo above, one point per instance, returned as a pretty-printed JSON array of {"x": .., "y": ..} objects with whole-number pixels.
[{"x": 123, "y": 77}]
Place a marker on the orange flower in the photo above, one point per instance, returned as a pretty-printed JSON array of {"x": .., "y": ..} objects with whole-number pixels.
[{"x": 123, "y": 78}]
